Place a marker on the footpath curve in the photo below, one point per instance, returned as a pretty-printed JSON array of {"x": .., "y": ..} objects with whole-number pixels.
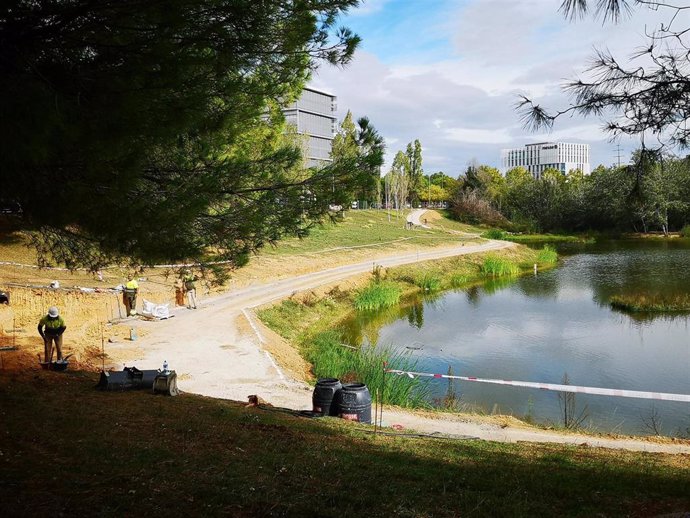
[{"x": 217, "y": 352}]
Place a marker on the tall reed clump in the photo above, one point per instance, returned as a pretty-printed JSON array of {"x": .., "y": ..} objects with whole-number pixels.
[
  {"x": 331, "y": 359},
  {"x": 458, "y": 279},
  {"x": 547, "y": 255},
  {"x": 429, "y": 282},
  {"x": 494, "y": 266},
  {"x": 377, "y": 295}
]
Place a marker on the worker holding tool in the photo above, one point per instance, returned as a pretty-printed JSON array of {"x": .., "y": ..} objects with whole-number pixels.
[
  {"x": 51, "y": 327},
  {"x": 129, "y": 296},
  {"x": 190, "y": 288}
]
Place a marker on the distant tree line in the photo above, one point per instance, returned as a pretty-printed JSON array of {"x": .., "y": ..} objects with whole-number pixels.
[{"x": 651, "y": 194}]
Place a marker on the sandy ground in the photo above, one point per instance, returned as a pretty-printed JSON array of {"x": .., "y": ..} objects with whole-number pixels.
[{"x": 222, "y": 350}]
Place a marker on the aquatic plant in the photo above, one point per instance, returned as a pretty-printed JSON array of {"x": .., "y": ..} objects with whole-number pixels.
[
  {"x": 652, "y": 302},
  {"x": 429, "y": 282},
  {"x": 333, "y": 359},
  {"x": 377, "y": 295},
  {"x": 494, "y": 266},
  {"x": 458, "y": 279},
  {"x": 547, "y": 255}
]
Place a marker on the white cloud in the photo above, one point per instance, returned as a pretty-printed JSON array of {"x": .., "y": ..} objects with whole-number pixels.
[
  {"x": 461, "y": 103},
  {"x": 368, "y": 7},
  {"x": 479, "y": 136}
]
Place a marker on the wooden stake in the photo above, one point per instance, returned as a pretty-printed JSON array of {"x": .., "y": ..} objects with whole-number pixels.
[{"x": 102, "y": 347}]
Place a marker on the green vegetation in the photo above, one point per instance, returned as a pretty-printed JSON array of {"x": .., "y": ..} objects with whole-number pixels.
[
  {"x": 458, "y": 279},
  {"x": 685, "y": 231},
  {"x": 547, "y": 255},
  {"x": 377, "y": 295},
  {"x": 312, "y": 324},
  {"x": 650, "y": 195},
  {"x": 546, "y": 238},
  {"x": 195, "y": 147},
  {"x": 652, "y": 303},
  {"x": 332, "y": 359},
  {"x": 495, "y": 266},
  {"x": 429, "y": 282},
  {"x": 134, "y": 453},
  {"x": 371, "y": 229},
  {"x": 495, "y": 233}
]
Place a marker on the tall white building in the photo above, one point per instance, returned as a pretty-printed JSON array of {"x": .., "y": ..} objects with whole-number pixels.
[
  {"x": 314, "y": 116},
  {"x": 536, "y": 158}
]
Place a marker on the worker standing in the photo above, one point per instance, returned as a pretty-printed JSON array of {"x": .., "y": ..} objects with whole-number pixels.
[
  {"x": 129, "y": 296},
  {"x": 51, "y": 327},
  {"x": 190, "y": 288}
]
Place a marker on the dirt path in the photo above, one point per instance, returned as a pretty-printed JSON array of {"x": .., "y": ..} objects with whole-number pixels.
[{"x": 218, "y": 350}]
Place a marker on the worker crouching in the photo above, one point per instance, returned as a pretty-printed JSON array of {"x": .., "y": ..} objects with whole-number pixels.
[{"x": 51, "y": 327}]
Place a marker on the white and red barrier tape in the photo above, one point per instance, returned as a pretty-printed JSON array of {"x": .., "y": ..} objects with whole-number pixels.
[{"x": 664, "y": 396}]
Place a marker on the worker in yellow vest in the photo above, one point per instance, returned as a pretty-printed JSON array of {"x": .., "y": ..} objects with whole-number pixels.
[
  {"x": 129, "y": 296},
  {"x": 51, "y": 327},
  {"x": 189, "y": 280}
]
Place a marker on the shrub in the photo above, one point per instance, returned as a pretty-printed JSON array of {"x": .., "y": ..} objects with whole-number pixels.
[
  {"x": 685, "y": 231},
  {"x": 494, "y": 233}
]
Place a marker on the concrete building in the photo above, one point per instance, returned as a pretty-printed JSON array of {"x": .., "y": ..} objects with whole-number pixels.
[
  {"x": 314, "y": 116},
  {"x": 538, "y": 157}
]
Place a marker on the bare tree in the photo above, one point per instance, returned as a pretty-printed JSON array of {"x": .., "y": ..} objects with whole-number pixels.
[
  {"x": 652, "y": 421},
  {"x": 568, "y": 405}
]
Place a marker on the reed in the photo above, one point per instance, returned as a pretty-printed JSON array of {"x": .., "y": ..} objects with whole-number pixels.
[
  {"x": 494, "y": 266},
  {"x": 651, "y": 303},
  {"x": 429, "y": 282},
  {"x": 547, "y": 255},
  {"x": 458, "y": 279},
  {"x": 377, "y": 295},
  {"x": 332, "y": 359}
]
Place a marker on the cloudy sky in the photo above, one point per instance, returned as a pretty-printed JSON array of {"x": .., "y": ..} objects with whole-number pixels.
[{"x": 449, "y": 72}]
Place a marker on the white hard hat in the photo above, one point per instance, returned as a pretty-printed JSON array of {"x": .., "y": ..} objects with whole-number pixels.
[{"x": 53, "y": 312}]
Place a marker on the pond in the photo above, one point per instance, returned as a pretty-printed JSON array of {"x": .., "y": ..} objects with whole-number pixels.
[{"x": 540, "y": 328}]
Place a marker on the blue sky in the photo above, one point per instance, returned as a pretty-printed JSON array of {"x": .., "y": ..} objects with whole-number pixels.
[{"x": 449, "y": 72}]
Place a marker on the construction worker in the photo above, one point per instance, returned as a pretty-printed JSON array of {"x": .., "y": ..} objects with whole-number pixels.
[
  {"x": 190, "y": 288},
  {"x": 51, "y": 327},
  {"x": 129, "y": 296}
]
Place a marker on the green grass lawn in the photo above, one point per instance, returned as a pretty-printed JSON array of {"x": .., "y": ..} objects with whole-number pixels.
[
  {"x": 67, "y": 449},
  {"x": 371, "y": 228}
]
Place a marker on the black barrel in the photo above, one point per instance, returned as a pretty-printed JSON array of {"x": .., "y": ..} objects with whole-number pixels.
[
  {"x": 353, "y": 402},
  {"x": 324, "y": 392},
  {"x": 130, "y": 378}
]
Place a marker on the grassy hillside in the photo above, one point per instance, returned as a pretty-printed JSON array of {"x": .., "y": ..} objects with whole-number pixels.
[
  {"x": 379, "y": 228},
  {"x": 66, "y": 448}
]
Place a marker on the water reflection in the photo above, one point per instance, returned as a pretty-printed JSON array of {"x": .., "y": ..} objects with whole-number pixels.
[{"x": 540, "y": 328}]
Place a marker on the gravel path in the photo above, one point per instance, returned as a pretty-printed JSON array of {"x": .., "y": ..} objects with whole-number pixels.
[{"x": 217, "y": 351}]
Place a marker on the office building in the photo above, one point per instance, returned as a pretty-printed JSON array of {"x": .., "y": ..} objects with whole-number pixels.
[
  {"x": 536, "y": 158},
  {"x": 313, "y": 114}
]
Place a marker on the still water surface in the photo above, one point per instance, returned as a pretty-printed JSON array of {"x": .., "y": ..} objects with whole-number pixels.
[{"x": 538, "y": 328}]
